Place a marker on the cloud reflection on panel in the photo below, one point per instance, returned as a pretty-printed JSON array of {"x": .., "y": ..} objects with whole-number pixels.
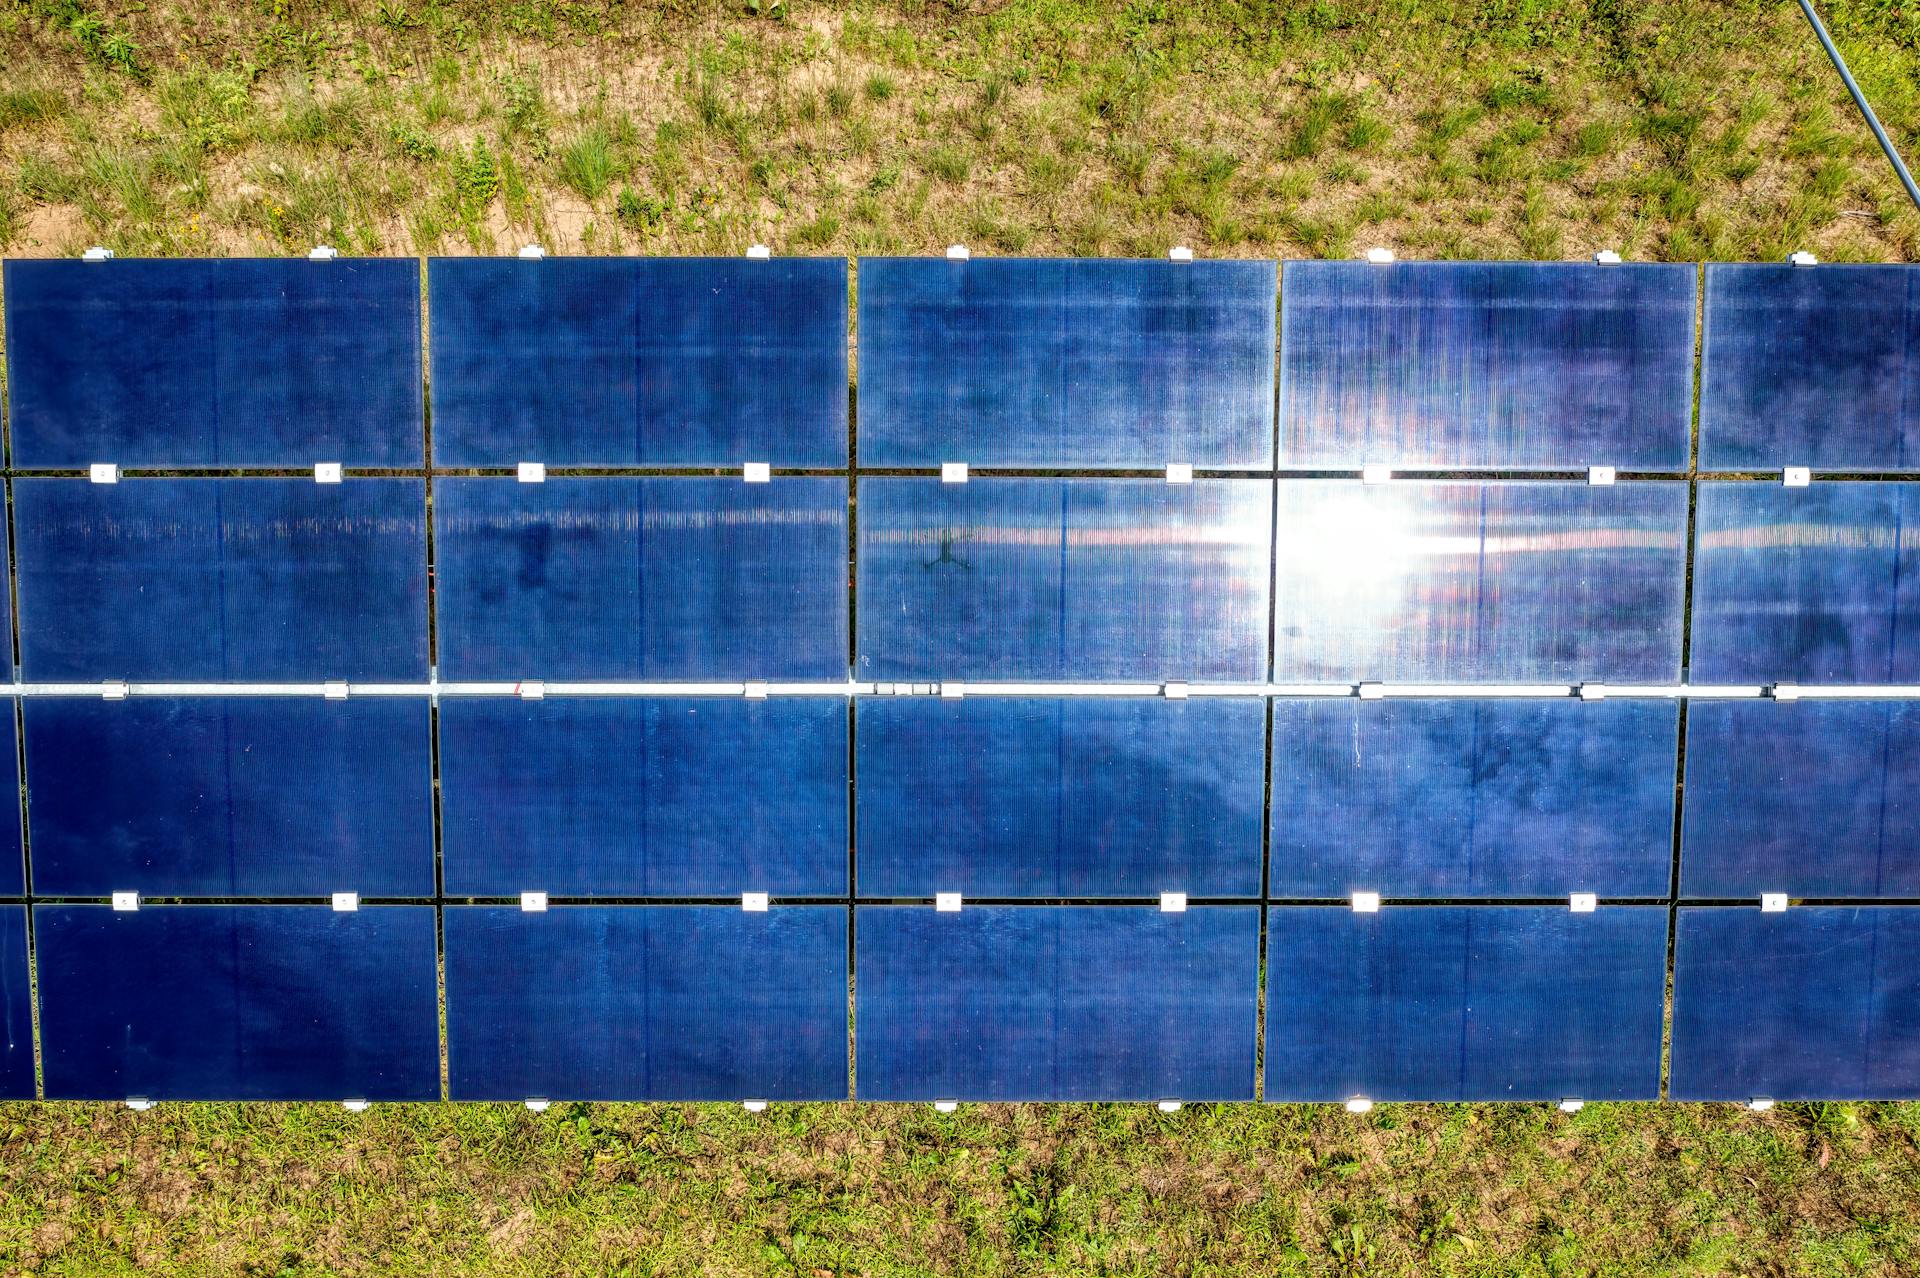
[{"x": 1479, "y": 582}]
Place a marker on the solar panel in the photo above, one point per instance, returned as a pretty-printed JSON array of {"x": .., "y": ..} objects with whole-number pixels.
[
  {"x": 1009, "y": 362},
  {"x": 214, "y": 363},
  {"x": 16, "y": 1007},
  {"x": 1046, "y": 579},
  {"x": 657, "y": 1003},
  {"x": 1810, "y": 368},
  {"x": 1816, "y": 1002},
  {"x": 222, "y": 579},
  {"x": 639, "y": 361},
  {"x": 1815, "y": 585},
  {"x": 13, "y": 880},
  {"x": 654, "y": 797},
  {"x": 1060, "y": 797},
  {"x": 642, "y": 578},
  {"x": 1007, "y": 1003},
  {"x": 230, "y": 796},
  {"x": 1460, "y": 1003},
  {"x": 1479, "y": 582},
  {"x": 1519, "y": 365},
  {"x": 1472, "y": 798},
  {"x": 225, "y": 1002},
  {"x": 1808, "y": 799}
]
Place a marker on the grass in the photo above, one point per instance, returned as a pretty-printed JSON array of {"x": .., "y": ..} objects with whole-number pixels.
[{"x": 1499, "y": 128}]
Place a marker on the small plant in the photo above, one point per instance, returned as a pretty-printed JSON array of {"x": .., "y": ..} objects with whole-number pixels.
[
  {"x": 588, "y": 164},
  {"x": 642, "y": 213},
  {"x": 476, "y": 177},
  {"x": 879, "y": 86},
  {"x": 1365, "y": 133},
  {"x": 839, "y": 100},
  {"x": 949, "y": 164}
]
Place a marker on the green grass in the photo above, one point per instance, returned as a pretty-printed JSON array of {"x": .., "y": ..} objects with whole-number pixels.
[{"x": 1492, "y": 128}]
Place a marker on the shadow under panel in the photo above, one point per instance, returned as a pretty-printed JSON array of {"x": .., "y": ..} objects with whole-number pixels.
[
  {"x": 1052, "y": 579},
  {"x": 1056, "y": 1003},
  {"x": 1813, "y": 1003},
  {"x": 1472, "y": 798},
  {"x": 1479, "y": 582},
  {"x": 249, "y": 1002},
  {"x": 673, "y": 1002},
  {"x": 1485, "y": 365},
  {"x": 602, "y": 361},
  {"x": 1060, "y": 797},
  {"x": 230, "y": 796},
  {"x": 222, "y": 580},
  {"x": 1465, "y": 1003},
  {"x": 1810, "y": 585},
  {"x": 1064, "y": 363},
  {"x": 1810, "y": 367},
  {"x": 641, "y": 578},
  {"x": 684, "y": 796},
  {"x": 245, "y": 362}
]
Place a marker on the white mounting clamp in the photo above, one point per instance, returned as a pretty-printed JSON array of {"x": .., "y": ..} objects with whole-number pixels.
[
  {"x": 957, "y": 253},
  {"x": 1366, "y": 902},
  {"x": 531, "y": 253},
  {"x": 346, "y": 902},
  {"x": 354, "y": 1106},
  {"x": 1773, "y": 902},
  {"x": 537, "y": 1104},
  {"x": 1786, "y": 692},
  {"x": 757, "y": 472},
  {"x": 945, "y": 1106},
  {"x": 1606, "y": 257},
  {"x": 1601, "y": 476},
  {"x": 754, "y": 690},
  {"x": 322, "y": 253},
  {"x": 1583, "y": 902},
  {"x": 953, "y": 472},
  {"x": 531, "y": 689},
  {"x": 1359, "y": 1105},
  {"x": 946, "y": 902},
  {"x": 754, "y": 1106},
  {"x": 103, "y": 473},
  {"x": 759, "y": 252},
  {"x": 1179, "y": 472},
  {"x": 1796, "y": 477},
  {"x": 126, "y": 902},
  {"x": 97, "y": 254},
  {"x": 1173, "y": 902},
  {"x": 533, "y": 902},
  {"x": 336, "y": 690},
  {"x": 327, "y": 473},
  {"x": 531, "y": 472},
  {"x": 1802, "y": 258},
  {"x": 753, "y": 902},
  {"x": 1593, "y": 691},
  {"x": 1376, "y": 473},
  {"x": 1760, "y": 1104},
  {"x": 1369, "y": 691},
  {"x": 1169, "y": 1106},
  {"x": 1380, "y": 256},
  {"x": 1179, "y": 253},
  {"x": 113, "y": 690},
  {"x": 1572, "y": 1105},
  {"x": 1174, "y": 690},
  {"x": 139, "y": 1104},
  {"x": 952, "y": 690}
]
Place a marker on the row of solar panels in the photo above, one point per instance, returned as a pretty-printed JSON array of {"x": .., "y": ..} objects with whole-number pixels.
[
  {"x": 1038, "y": 798},
  {"x": 1016, "y": 363},
  {"x": 690, "y": 578},
  {"x": 991, "y": 1003}
]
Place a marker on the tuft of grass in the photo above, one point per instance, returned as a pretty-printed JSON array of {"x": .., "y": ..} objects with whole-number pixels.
[
  {"x": 948, "y": 163},
  {"x": 879, "y": 86},
  {"x": 588, "y": 164}
]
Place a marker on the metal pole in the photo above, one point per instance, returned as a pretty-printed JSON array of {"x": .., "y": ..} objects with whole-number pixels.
[{"x": 1860, "y": 100}]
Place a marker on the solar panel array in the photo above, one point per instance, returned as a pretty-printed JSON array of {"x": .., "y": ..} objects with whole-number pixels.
[{"x": 540, "y": 643}]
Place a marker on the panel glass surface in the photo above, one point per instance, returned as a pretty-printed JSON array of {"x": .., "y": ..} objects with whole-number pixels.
[
  {"x": 1514, "y": 365},
  {"x": 1055, "y": 579},
  {"x": 233, "y": 796},
  {"x": 1813, "y": 798},
  {"x": 1810, "y": 367},
  {"x": 216, "y": 580},
  {"x": 1807, "y": 585},
  {"x": 676, "y": 1002},
  {"x": 13, "y": 881},
  {"x": 628, "y": 578},
  {"x": 644, "y": 797},
  {"x": 1465, "y": 1003},
  {"x": 16, "y": 1007},
  {"x": 639, "y": 361},
  {"x": 253, "y": 1002},
  {"x": 263, "y": 362},
  {"x": 1817, "y": 1003},
  {"x": 1479, "y": 582},
  {"x": 1008, "y": 362},
  {"x": 1060, "y": 797},
  {"x": 1025, "y": 1002},
  {"x": 1472, "y": 798}
]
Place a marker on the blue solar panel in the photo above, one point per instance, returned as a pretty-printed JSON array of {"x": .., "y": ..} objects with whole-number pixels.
[
  {"x": 656, "y": 797},
  {"x": 678, "y": 1002},
  {"x": 230, "y": 797},
  {"x": 1060, "y": 797},
  {"x": 1084, "y": 579},
  {"x": 12, "y": 858},
  {"x": 639, "y": 361},
  {"x": 1520, "y": 365},
  {"x": 266, "y": 362},
  {"x": 1810, "y": 799},
  {"x": 256, "y": 1002},
  {"x": 1066, "y": 363},
  {"x": 1810, "y": 368},
  {"x": 1480, "y": 798},
  {"x": 655, "y": 578},
  {"x": 1817, "y": 1003},
  {"x": 222, "y": 579},
  {"x": 1479, "y": 582},
  {"x": 16, "y": 1007},
  {"x": 1460, "y": 1003},
  {"x": 1810, "y": 585},
  {"x": 1029, "y": 1002}
]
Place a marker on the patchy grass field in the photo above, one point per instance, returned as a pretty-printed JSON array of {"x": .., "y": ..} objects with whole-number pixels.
[{"x": 1503, "y": 128}]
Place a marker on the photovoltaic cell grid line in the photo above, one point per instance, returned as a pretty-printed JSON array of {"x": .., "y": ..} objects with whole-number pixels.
[{"x": 1026, "y": 800}]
